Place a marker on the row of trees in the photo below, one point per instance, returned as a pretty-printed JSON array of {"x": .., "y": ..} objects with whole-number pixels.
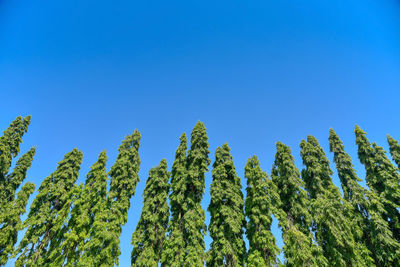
[{"x": 71, "y": 225}]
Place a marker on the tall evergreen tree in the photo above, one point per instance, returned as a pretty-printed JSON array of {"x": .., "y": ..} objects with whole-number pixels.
[
  {"x": 394, "y": 149},
  {"x": 173, "y": 253},
  {"x": 87, "y": 205},
  {"x": 299, "y": 248},
  {"x": 382, "y": 178},
  {"x": 334, "y": 230},
  {"x": 102, "y": 249},
  {"x": 10, "y": 208},
  {"x": 367, "y": 209},
  {"x": 258, "y": 205},
  {"x": 149, "y": 236},
  {"x": 227, "y": 215},
  {"x": 194, "y": 218},
  {"x": 185, "y": 243},
  {"x": 49, "y": 212}
]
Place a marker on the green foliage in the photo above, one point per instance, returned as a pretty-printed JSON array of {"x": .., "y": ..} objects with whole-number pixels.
[
  {"x": 185, "y": 243},
  {"x": 10, "y": 208},
  {"x": 394, "y": 147},
  {"x": 70, "y": 225},
  {"x": 367, "y": 209},
  {"x": 194, "y": 217},
  {"x": 103, "y": 247},
  {"x": 11, "y": 222},
  {"x": 174, "y": 247},
  {"x": 149, "y": 236},
  {"x": 10, "y": 143},
  {"x": 86, "y": 206},
  {"x": 296, "y": 219},
  {"x": 49, "y": 212},
  {"x": 332, "y": 221},
  {"x": 382, "y": 178},
  {"x": 258, "y": 204},
  {"x": 227, "y": 216}
]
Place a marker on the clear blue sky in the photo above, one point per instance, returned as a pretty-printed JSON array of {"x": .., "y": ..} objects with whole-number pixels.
[{"x": 256, "y": 72}]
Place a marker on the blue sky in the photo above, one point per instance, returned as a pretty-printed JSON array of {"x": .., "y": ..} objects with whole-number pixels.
[{"x": 255, "y": 72}]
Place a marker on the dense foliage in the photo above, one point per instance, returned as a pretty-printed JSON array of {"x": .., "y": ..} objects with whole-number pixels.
[
  {"x": 293, "y": 212},
  {"x": 258, "y": 208},
  {"x": 149, "y": 236},
  {"x": 80, "y": 225},
  {"x": 227, "y": 216}
]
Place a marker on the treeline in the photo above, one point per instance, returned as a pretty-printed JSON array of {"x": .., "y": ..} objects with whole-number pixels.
[{"x": 80, "y": 225}]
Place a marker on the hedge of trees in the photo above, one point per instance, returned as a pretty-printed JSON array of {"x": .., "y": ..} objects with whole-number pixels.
[{"x": 80, "y": 225}]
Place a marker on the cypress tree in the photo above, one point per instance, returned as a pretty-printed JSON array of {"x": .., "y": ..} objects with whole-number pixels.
[
  {"x": 194, "y": 217},
  {"x": 334, "y": 230},
  {"x": 103, "y": 247},
  {"x": 258, "y": 204},
  {"x": 149, "y": 236},
  {"x": 227, "y": 216},
  {"x": 382, "y": 178},
  {"x": 87, "y": 205},
  {"x": 174, "y": 247},
  {"x": 48, "y": 212},
  {"x": 367, "y": 208},
  {"x": 296, "y": 220},
  {"x": 10, "y": 208},
  {"x": 394, "y": 147}
]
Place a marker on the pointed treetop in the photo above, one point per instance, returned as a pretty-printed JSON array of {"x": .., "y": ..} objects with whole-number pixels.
[
  {"x": 344, "y": 164},
  {"x": 317, "y": 174},
  {"x": 289, "y": 185},
  {"x": 364, "y": 146},
  {"x": 199, "y": 147},
  {"x": 10, "y": 143},
  {"x": 394, "y": 149}
]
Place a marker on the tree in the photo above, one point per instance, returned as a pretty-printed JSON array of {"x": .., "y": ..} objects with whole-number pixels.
[
  {"x": 394, "y": 149},
  {"x": 382, "y": 178},
  {"x": 10, "y": 208},
  {"x": 194, "y": 218},
  {"x": 174, "y": 246},
  {"x": 227, "y": 216},
  {"x": 88, "y": 203},
  {"x": 367, "y": 209},
  {"x": 258, "y": 204},
  {"x": 334, "y": 230},
  {"x": 185, "y": 243},
  {"x": 49, "y": 212},
  {"x": 299, "y": 248},
  {"x": 149, "y": 236},
  {"x": 103, "y": 247}
]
